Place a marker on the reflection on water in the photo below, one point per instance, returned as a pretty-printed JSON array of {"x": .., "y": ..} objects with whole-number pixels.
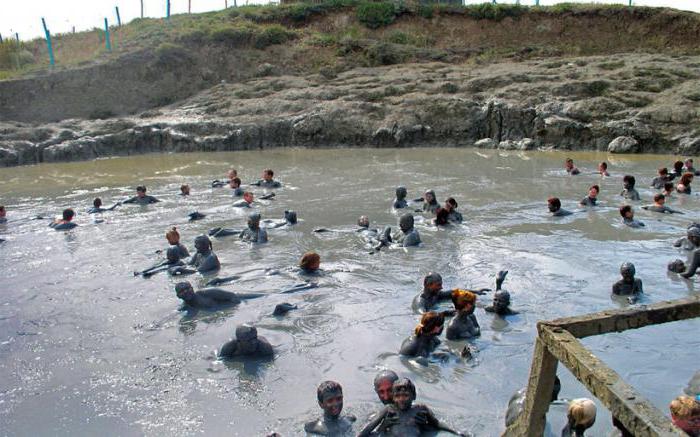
[{"x": 91, "y": 346}]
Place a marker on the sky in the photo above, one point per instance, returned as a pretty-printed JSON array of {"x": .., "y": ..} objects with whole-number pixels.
[{"x": 24, "y": 16}]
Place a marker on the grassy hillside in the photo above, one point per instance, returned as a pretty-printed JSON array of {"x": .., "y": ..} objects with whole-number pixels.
[{"x": 340, "y": 34}]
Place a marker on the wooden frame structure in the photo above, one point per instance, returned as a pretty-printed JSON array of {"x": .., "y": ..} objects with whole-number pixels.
[{"x": 557, "y": 341}]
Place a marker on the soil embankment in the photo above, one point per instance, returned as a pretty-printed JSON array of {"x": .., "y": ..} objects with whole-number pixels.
[{"x": 623, "y": 80}]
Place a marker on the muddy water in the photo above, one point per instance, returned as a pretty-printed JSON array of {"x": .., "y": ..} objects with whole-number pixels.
[{"x": 86, "y": 347}]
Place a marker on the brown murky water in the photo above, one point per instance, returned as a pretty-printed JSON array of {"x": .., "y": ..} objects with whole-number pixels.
[{"x": 86, "y": 348}]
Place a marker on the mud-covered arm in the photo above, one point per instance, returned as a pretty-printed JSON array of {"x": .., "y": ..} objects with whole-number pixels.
[
  {"x": 373, "y": 424},
  {"x": 694, "y": 264}
]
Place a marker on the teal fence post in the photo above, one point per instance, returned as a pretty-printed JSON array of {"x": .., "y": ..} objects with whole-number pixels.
[
  {"x": 17, "y": 37},
  {"x": 52, "y": 61},
  {"x": 119, "y": 18},
  {"x": 167, "y": 9},
  {"x": 0, "y": 38},
  {"x": 108, "y": 43},
  {"x": 630, "y": 3},
  {"x": 537, "y": 2}
]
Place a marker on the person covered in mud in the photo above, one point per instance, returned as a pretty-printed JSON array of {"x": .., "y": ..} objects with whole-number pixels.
[
  {"x": 97, "y": 207},
  {"x": 554, "y": 206},
  {"x": 433, "y": 293},
  {"x": 501, "y": 299},
  {"x": 383, "y": 383},
  {"x": 592, "y": 198},
  {"x": 580, "y": 417},
  {"x": 235, "y": 185},
  {"x": 603, "y": 169},
  {"x": 659, "y": 205},
  {"x": 66, "y": 222},
  {"x": 3, "y": 214},
  {"x": 210, "y": 298},
  {"x": 677, "y": 170},
  {"x": 684, "y": 184},
  {"x": 232, "y": 173},
  {"x": 402, "y": 418},
  {"x": 267, "y": 181},
  {"x": 692, "y": 239},
  {"x": 310, "y": 263},
  {"x": 332, "y": 423},
  {"x": 254, "y": 233},
  {"x": 247, "y": 344},
  {"x": 430, "y": 203},
  {"x": 464, "y": 324},
  {"x": 441, "y": 217},
  {"x": 205, "y": 260},
  {"x": 661, "y": 179},
  {"x": 409, "y": 235},
  {"x": 172, "y": 260},
  {"x": 669, "y": 189},
  {"x": 516, "y": 404},
  {"x": 570, "y": 167},
  {"x": 425, "y": 337},
  {"x": 628, "y": 190},
  {"x": 628, "y": 217},
  {"x": 689, "y": 168},
  {"x": 678, "y": 266},
  {"x": 141, "y": 198},
  {"x": 453, "y": 216},
  {"x": 290, "y": 219},
  {"x": 184, "y": 190},
  {"x": 246, "y": 202},
  {"x": 173, "y": 237},
  {"x": 400, "y": 201},
  {"x": 628, "y": 285}
]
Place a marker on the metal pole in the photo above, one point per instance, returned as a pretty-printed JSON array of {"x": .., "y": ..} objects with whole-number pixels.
[
  {"x": 17, "y": 37},
  {"x": 141, "y": 8},
  {"x": 0, "y": 38},
  {"x": 189, "y": 6},
  {"x": 225, "y": 4},
  {"x": 119, "y": 18},
  {"x": 167, "y": 9},
  {"x": 49, "y": 47},
  {"x": 108, "y": 43}
]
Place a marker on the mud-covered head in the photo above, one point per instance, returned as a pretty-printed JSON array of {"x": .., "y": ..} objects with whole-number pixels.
[
  {"x": 659, "y": 199},
  {"x": 501, "y": 301},
  {"x": 628, "y": 181},
  {"x": 593, "y": 191},
  {"x": 430, "y": 198},
  {"x": 97, "y": 203},
  {"x": 694, "y": 235},
  {"x": 290, "y": 216},
  {"x": 248, "y": 197},
  {"x": 554, "y": 204},
  {"x": 68, "y": 214},
  {"x": 173, "y": 254},
  {"x": 450, "y": 204},
  {"x": 569, "y": 163},
  {"x": 254, "y": 220},
  {"x": 141, "y": 191},
  {"x": 432, "y": 283},
  {"x": 3, "y": 212},
  {"x": 330, "y": 398},
  {"x": 202, "y": 244},
  {"x": 234, "y": 182},
  {"x": 406, "y": 223},
  {"x": 185, "y": 190},
  {"x": 268, "y": 174},
  {"x": 184, "y": 290},
  {"x": 678, "y": 166},
  {"x": 626, "y": 212},
  {"x": 232, "y": 173},
  {"x": 627, "y": 271},
  {"x": 403, "y": 393},
  {"x": 401, "y": 193},
  {"x": 383, "y": 383},
  {"x": 246, "y": 332},
  {"x": 363, "y": 221}
]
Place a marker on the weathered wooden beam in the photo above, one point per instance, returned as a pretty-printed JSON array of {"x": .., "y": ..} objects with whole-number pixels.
[
  {"x": 638, "y": 415},
  {"x": 543, "y": 372},
  {"x": 631, "y": 318}
]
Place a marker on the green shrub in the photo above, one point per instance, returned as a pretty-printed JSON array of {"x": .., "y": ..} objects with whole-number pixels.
[
  {"x": 399, "y": 37},
  {"x": 385, "y": 54},
  {"x": 376, "y": 15},
  {"x": 232, "y": 36},
  {"x": 425, "y": 11},
  {"x": 273, "y": 34}
]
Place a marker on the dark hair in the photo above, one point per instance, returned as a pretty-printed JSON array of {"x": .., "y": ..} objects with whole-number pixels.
[
  {"x": 68, "y": 214},
  {"x": 678, "y": 166},
  {"x": 328, "y": 387},
  {"x": 554, "y": 201},
  {"x": 663, "y": 170},
  {"x": 668, "y": 186},
  {"x": 404, "y": 385},
  {"x": 441, "y": 216},
  {"x": 308, "y": 259},
  {"x": 429, "y": 321},
  {"x": 686, "y": 179},
  {"x": 141, "y": 188},
  {"x": 236, "y": 181},
  {"x": 183, "y": 186},
  {"x": 597, "y": 188},
  {"x": 659, "y": 196},
  {"x": 269, "y": 171},
  {"x": 97, "y": 202},
  {"x": 2, "y": 207},
  {"x": 624, "y": 210},
  {"x": 452, "y": 201},
  {"x": 604, "y": 165},
  {"x": 569, "y": 160},
  {"x": 629, "y": 179}
]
